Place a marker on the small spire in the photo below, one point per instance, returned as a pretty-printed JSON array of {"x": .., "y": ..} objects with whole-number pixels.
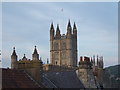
[
  {"x": 24, "y": 57},
  {"x": 97, "y": 60},
  {"x": 57, "y": 26},
  {"x": 69, "y": 29},
  {"x": 94, "y": 59},
  {"x": 35, "y": 51},
  {"x": 14, "y": 53},
  {"x": 74, "y": 26},
  {"x": 47, "y": 61},
  {"x": 69, "y": 25},
  {"x": 52, "y": 27},
  {"x": 97, "y": 57},
  {"x": 13, "y": 48},
  {"x": 57, "y": 31}
]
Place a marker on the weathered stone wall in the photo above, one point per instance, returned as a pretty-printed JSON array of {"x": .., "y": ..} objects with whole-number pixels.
[
  {"x": 63, "y": 52},
  {"x": 63, "y": 48},
  {"x": 100, "y": 76},
  {"x": 32, "y": 67},
  {"x": 49, "y": 67},
  {"x": 87, "y": 77}
]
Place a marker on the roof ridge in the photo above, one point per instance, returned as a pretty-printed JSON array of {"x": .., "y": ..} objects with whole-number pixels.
[{"x": 31, "y": 78}]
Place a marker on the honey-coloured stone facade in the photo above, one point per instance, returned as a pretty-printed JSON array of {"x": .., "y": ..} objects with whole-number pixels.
[
  {"x": 33, "y": 67},
  {"x": 63, "y": 48}
]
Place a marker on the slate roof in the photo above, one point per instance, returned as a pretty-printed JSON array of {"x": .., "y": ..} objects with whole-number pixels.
[
  {"x": 63, "y": 79},
  {"x": 12, "y": 78}
]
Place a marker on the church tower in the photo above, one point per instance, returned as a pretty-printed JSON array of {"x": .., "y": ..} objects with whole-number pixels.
[
  {"x": 63, "y": 48},
  {"x": 13, "y": 59}
]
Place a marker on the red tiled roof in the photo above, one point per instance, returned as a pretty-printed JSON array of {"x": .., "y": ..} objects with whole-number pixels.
[{"x": 12, "y": 78}]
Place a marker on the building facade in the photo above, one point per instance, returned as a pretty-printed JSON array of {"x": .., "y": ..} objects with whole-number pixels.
[
  {"x": 63, "y": 48},
  {"x": 91, "y": 71},
  {"x": 32, "y": 67}
]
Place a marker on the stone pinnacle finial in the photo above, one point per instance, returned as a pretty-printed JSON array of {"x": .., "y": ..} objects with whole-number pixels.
[
  {"x": 69, "y": 25},
  {"x": 52, "y": 27},
  {"x": 74, "y": 26},
  {"x": 58, "y": 31},
  {"x": 14, "y": 53},
  {"x": 57, "y": 26},
  {"x": 69, "y": 29},
  {"x": 97, "y": 60},
  {"x": 47, "y": 61},
  {"x": 13, "y": 48},
  {"x": 97, "y": 57},
  {"x": 35, "y": 50}
]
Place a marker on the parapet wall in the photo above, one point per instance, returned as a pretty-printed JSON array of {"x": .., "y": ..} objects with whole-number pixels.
[
  {"x": 32, "y": 67},
  {"x": 87, "y": 78},
  {"x": 49, "y": 67}
]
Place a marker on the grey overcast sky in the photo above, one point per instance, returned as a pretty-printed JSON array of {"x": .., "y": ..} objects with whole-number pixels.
[{"x": 26, "y": 24}]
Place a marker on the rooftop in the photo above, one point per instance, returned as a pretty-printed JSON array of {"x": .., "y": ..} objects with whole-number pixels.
[
  {"x": 62, "y": 79},
  {"x": 12, "y": 78}
]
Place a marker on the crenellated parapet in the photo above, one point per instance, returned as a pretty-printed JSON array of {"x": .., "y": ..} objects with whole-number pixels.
[
  {"x": 71, "y": 32},
  {"x": 63, "y": 48}
]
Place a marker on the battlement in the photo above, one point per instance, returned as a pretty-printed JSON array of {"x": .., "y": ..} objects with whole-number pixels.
[
  {"x": 71, "y": 33},
  {"x": 49, "y": 67},
  {"x": 63, "y": 48}
]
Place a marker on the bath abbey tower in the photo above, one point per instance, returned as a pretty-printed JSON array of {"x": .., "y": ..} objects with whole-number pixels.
[
  {"x": 63, "y": 67},
  {"x": 63, "y": 48}
]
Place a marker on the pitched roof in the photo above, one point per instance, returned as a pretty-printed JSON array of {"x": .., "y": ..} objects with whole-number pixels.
[
  {"x": 12, "y": 78},
  {"x": 63, "y": 79}
]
